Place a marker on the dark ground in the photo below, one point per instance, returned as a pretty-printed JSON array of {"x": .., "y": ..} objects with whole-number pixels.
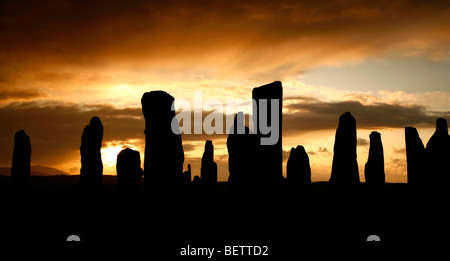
[{"x": 54, "y": 209}]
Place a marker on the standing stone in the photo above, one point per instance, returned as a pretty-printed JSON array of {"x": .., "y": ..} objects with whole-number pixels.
[
  {"x": 298, "y": 170},
  {"x": 415, "y": 157},
  {"x": 20, "y": 168},
  {"x": 164, "y": 155},
  {"x": 270, "y": 156},
  {"x": 242, "y": 154},
  {"x": 344, "y": 172},
  {"x": 129, "y": 173},
  {"x": 208, "y": 171},
  {"x": 187, "y": 175},
  {"x": 91, "y": 159},
  {"x": 438, "y": 154},
  {"x": 374, "y": 169}
]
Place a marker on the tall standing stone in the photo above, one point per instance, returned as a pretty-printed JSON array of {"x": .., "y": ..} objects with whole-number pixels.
[
  {"x": 438, "y": 154},
  {"x": 298, "y": 170},
  {"x": 242, "y": 154},
  {"x": 374, "y": 169},
  {"x": 415, "y": 157},
  {"x": 129, "y": 173},
  {"x": 164, "y": 155},
  {"x": 91, "y": 159},
  {"x": 344, "y": 172},
  {"x": 20, "y": 168},
  {"x": 208, "y": 171},
  {"x": 270, "y": 156}
]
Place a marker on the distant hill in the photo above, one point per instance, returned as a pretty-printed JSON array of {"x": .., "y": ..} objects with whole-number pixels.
[{"x": 36, "y": 171}]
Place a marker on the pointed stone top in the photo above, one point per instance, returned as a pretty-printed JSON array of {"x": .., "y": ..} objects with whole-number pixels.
[
  {"x": 347, "y": 118},
  {"x": 300, "y": 149},
  {"x": 208, "y": 145},
  {"x": 96, "y": 123},
  {"x": 411, "y": 131},
  {"x": 21, "y": 133},
  {"x": 21, "y": 138}
]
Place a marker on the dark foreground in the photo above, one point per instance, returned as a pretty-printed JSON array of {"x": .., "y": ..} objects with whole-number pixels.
[{"x": 55, "y": 209}]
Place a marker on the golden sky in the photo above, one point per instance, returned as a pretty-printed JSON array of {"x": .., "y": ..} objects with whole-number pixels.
[{"x": 62, "y": 62}]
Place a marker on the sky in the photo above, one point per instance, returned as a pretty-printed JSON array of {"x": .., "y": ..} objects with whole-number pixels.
[{"x": 63, "y": 62}]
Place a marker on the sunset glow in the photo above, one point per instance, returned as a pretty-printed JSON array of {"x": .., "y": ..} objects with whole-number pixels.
[{"x": 63, "y": 62}]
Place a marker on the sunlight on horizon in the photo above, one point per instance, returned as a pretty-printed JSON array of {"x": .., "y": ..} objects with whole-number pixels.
[{"x": 109, "y": 157}]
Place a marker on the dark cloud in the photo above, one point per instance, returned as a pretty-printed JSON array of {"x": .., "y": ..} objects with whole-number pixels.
[
  {"x": 362, "y": 142},
  {"x": 6, "y": 94},
  {"x": 324, "y": 151},
  {"x": 55, "y": 128},
  {"x": 188, "y": 147},
  {"x": 312, "y": 114},
  {"x": 399, "y": 150}
]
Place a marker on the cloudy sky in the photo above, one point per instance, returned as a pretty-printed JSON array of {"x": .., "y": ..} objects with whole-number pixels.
[{"x": 62, "y": 62}]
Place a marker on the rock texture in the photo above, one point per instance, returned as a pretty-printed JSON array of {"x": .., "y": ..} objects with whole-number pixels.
[
  {"x": 20, "y": 168},
  {"x": 344, "y": 172},
  {"x": 91, "y": 160}
]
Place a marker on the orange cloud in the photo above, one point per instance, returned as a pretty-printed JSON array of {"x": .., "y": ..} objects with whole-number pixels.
[{"x": 246, "y": 38}]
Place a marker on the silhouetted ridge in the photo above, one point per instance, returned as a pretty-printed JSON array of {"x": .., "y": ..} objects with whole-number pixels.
[
  {"x": 164, "y": 155},
  {"x": 344, "y": 172},
  {"x": 270, "y": 157},
  {"x": 374, "y": 169},
  {"x": 20, "y": 168},
  {"x": 415, "y": 157},
  {"x": 129, "y": 173},
  {"x": 91, "y": 159},
  {"x": 298, "y": 170}
]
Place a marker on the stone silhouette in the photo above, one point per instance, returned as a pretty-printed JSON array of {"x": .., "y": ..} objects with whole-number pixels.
[
  {"x": 344, "y": 172},
  {"x": 164, "y": 155},
  {"x": 129, "y": 173},
  {"x": 298, "y": 170},
  {"x": 374, "y": 169},
  {"x": 438, "y": 153},
  {"x": 20, "y": 168},
  {"x": 415, "y": 157},
  {"x": 270, "y": 156},
  {"x": 208, "y": 171},
  {"x": 187, "y": 175},
  {"x": 242, "y": 154},
  {"x": 196, "y": 180},
  {"x": 91, "y": 159}
]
